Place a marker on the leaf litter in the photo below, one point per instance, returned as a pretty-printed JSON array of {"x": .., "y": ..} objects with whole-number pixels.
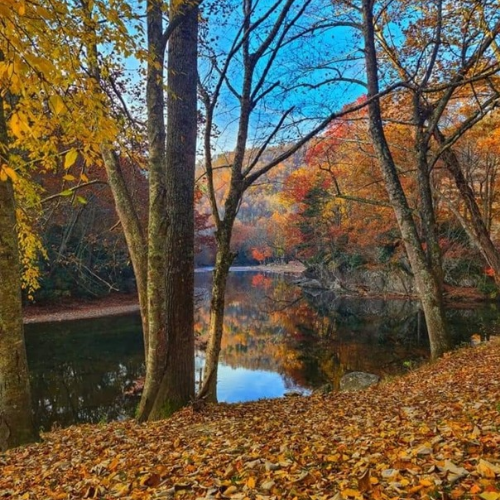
[{"x": 433, "y": 433}]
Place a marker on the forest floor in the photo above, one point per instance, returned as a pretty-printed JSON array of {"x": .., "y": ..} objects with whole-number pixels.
[
  {"x": 117, "y": 303},
  {"x": 433, "y": 433}
]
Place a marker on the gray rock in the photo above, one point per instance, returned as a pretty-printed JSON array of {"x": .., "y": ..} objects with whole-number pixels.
[
  {"x": 315, "y": 284},
  {"x": 356, "y": 381}
]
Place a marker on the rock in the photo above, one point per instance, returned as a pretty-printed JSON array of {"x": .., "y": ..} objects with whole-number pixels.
[
  {"x": 324, "y": 389},
  {"x": 383, "y": 280},
  {"x": 356, "y": 381},
  {"x": 315, "y": 284}
]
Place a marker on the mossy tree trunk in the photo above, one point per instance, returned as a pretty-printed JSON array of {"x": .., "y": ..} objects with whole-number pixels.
[
  {"x": 16, "y": 419},
  {"x": 169, "y": 381},
  {"x": 163, "y": 254},
  {"x": 223, "y": 260}
]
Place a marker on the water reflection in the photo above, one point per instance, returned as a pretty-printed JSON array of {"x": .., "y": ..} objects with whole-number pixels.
[
  {"x": 277, "y": 339},
  {"x": 80, "y": 369}
]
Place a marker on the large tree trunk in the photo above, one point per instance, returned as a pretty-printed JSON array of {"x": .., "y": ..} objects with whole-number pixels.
[
  {"x": 177, "y": 385},
  {"x": 477, "y": 230},
  {"x": 427, "y": 283},
  {"x": 16, "y": 419},
  {"x": 170, "y": 362}
]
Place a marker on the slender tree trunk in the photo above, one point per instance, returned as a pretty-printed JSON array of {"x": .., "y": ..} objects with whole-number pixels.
[
  {"x": 426, "y": 282},
  {"x": 223, "y": 260},
  {"x": 16, "y": 419},
  {"x": 169, "y": 381},
  {"x": 157, "y": 230},
  {"x": 426, "y": 208},
  {"x": 477, "y": 229},
  {"x": 133, "y": 231}
]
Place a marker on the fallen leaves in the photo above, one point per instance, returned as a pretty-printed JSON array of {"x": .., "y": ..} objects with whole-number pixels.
[{"x": 431, "y": 434}]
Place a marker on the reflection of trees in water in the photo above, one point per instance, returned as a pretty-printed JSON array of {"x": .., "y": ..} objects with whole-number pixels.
[
  {"x": 271, "y": 324},
  {"x": 79, "y": 370}
]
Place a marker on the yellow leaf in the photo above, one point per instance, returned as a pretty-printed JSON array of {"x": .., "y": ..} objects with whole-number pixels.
[
  {"x": 84, "y": 178},
  {"x": 426, "y": 482},
  {"x": 18, "y": 125},
  {"x": 3, "y": 175},
  {"x": 69, "y": 177},
  {"x": 10, "y": 172},
  {"x": 251, "y": 482},
  {"x": 22, "y": 8},
  {"x": 57, "y": 104},
  {"x": 489, "y": 495},
  {"x": 70, "y": 158},
  {"x": 487, "y": 469},
  {"x": 114, "y": 464},
  {"x": 349, "y": 493},
  {"x": 122, "y": 489}
]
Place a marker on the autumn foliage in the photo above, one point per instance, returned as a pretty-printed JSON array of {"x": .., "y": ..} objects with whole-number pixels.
[{"x": 432, "y": 433}]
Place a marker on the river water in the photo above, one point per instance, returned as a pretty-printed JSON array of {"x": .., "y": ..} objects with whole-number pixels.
[{"x": 278, "y": 339}]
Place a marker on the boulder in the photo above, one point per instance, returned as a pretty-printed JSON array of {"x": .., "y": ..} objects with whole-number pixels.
[
  {"x": 311, "y": 283},
  {"x": 356, "y": 381}
]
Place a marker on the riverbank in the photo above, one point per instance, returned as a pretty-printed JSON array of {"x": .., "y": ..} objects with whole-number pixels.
[
  {"x": 120, "y": 303},
  {"x": 430, "y": 434},
  {"x": 72, "y": 309}
]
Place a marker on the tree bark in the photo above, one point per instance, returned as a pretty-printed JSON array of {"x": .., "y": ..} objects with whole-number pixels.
[
  {"x": 169, "y": 381},
  {"x": 157, "y": 234},
  {"x": 426, "y": 282},
  {"x": 178, "y": 382},
  {"x": 426, "y": 208},
  {"x": 223, "y": 260},
  {"x": 16, "y": 419},
  {"x": 132, "y": 230}
]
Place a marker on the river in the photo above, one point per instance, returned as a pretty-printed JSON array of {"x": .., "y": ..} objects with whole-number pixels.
[{"x": 278, "y": 339}]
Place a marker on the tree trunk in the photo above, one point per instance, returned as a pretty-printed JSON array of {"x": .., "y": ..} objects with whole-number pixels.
[
  {"x": 426, "y": 205},
  {"x": 156, "y": 355},
  {"x": 224, "y": 259},
  {"x": 426, "y": 282},
  {"x": 478, "y": 229},
  {"x": 169, "y": 381},
  {"x": 134, "y": 233},
  {"x": 177, "y": 386},
  {"x": 16, "y": 419}
]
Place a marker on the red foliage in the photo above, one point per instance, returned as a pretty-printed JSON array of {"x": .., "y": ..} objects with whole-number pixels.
[
  {"x": 261, "y": 254},
  {"x": 261, "y": 281}
]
